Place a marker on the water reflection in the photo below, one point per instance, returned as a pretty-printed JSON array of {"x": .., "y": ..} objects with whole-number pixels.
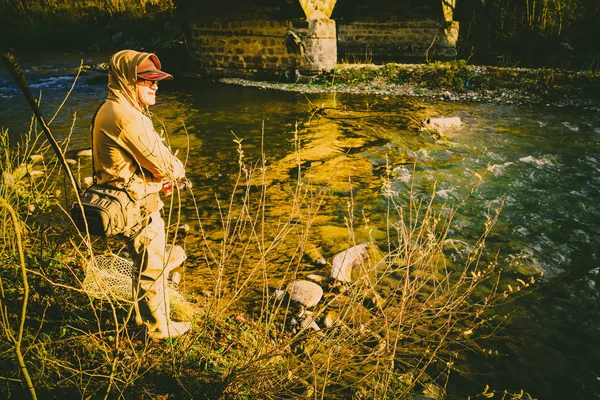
[{"x": 543, "y": 167}]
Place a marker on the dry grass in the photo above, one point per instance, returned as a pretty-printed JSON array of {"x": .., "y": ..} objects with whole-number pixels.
[{"x": 400, "y": 327}]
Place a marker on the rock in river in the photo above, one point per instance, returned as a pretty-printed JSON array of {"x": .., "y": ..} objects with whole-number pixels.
[
  {"x": 84, "y": 153},
  {"x": 305, "y": 292},
  {"x": 441, "y": 125},
  {"x": 344, "y": 262}
]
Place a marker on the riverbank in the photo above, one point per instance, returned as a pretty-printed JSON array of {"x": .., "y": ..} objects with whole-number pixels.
[{"x": 451, "y": 81}]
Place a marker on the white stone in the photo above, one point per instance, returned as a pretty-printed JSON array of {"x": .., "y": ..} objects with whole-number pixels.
[
  {"x": 316, "y": 278},
  {"x": 309, "y": 323},
  {"x": 344, "y": 262},
  {"x": 305, "y": 292},
  {"x": 84, "y": 153},
  {"x": 441, "y": 124},
  {"x": 36, "y": 158}
]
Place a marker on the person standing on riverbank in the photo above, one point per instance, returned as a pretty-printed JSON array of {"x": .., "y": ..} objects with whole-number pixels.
[{"x": 129, "y": 154}]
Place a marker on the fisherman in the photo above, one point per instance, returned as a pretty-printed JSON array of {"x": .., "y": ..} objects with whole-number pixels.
[{"x": 128, "y": 153}]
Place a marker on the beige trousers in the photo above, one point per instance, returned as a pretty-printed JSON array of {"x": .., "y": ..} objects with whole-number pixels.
[{"x": 150, "y": 292}]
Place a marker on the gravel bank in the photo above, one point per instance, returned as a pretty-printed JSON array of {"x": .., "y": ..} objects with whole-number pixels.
[{"x": 451, "y": 82}]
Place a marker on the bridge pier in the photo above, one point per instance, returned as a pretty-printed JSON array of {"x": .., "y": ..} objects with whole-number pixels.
[
  {"x": 266, "y": 38},
  {"x": 321, "y": 46}
]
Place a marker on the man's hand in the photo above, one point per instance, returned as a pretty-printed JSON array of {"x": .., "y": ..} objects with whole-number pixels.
[{"x": 183, "y": 183}]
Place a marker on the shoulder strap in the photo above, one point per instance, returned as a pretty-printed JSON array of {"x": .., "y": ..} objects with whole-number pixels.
[
  {"x": 94, "y": 177},
  {"x": 92, "y": 137}
]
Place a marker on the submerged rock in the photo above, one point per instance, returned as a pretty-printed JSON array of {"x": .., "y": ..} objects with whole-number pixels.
[
  {"x": 343, "y": 263},
  {"x": 345, "y": 309},
  {"x": 314, "y": 254},
  {"x": 305, "y": 292}
]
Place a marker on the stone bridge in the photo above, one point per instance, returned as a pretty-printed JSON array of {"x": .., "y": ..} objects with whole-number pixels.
[{"x": 253, "y": 38}]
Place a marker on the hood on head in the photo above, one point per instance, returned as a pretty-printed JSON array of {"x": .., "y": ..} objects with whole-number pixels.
[{"x": 122, "y": 75}]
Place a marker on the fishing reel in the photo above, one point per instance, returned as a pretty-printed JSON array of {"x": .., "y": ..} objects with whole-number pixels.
[{"x": 181, "y": 184}]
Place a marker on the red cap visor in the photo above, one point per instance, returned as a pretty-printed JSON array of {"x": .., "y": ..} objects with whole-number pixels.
[{"x": 154, "y": 75}]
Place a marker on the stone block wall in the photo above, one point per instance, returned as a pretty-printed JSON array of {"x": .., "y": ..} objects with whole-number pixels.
[
  {"x": 246, "y": 38},
  {"x": 244, "y": 48},
  {"x": 397, "y": 41}
]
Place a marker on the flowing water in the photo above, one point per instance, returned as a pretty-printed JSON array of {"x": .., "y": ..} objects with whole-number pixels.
[{"x": 544, "y": 168}]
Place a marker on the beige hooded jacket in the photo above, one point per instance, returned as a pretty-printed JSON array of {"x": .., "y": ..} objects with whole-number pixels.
[{"x": 128, "y": 152}]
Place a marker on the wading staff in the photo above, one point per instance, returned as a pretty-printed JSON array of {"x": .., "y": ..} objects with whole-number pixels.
[{"x": 19, "y": 77}]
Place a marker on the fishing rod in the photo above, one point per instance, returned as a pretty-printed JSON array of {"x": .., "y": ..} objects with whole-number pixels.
[{"x": 17, "y": 74}]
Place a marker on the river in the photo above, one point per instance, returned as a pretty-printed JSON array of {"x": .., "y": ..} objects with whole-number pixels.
[{"x": 543, "y": 165}]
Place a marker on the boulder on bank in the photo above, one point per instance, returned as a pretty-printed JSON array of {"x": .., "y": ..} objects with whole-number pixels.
[{"x": 305, "y": 292}]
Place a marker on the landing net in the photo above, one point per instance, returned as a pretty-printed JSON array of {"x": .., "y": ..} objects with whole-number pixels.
[{"x": 108, "y": 277}]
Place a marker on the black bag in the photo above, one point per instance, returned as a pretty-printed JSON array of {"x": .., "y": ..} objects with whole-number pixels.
[{"x": 108, "y": 211}]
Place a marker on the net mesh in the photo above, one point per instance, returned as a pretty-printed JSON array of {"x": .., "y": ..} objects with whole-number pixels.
[{"x": 108, "y": 277}]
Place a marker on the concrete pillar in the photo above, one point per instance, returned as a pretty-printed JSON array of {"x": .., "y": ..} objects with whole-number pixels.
[
  {"x": 317, "y": 9},
  {"x": 451, "y": 33},
  {"x": 320, "y": 46},
  {"x": 448, "y": 7}
]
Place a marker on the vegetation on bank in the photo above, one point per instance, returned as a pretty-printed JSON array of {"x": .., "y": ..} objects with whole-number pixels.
[
  {"x": 89, "y": 25},
  {"x": 459, "y": 76},
  {"x": 450, "y": 81},
  {"x": 530, "y": 34},
  {"x": 403, "y": 327},
  {"x": 462, "y": 81}
]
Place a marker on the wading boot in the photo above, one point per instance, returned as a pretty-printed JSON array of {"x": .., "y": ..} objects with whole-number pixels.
[{"x": 169, "y": 330}]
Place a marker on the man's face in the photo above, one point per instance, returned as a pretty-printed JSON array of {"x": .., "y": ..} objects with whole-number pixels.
[{"x": 147, "y": 92}]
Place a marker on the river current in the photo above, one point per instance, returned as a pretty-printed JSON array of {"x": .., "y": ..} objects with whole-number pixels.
[{"x": 543, "y": 167}]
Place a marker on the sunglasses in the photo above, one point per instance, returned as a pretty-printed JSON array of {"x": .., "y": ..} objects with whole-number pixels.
[{"x": 147, "y": 83}]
